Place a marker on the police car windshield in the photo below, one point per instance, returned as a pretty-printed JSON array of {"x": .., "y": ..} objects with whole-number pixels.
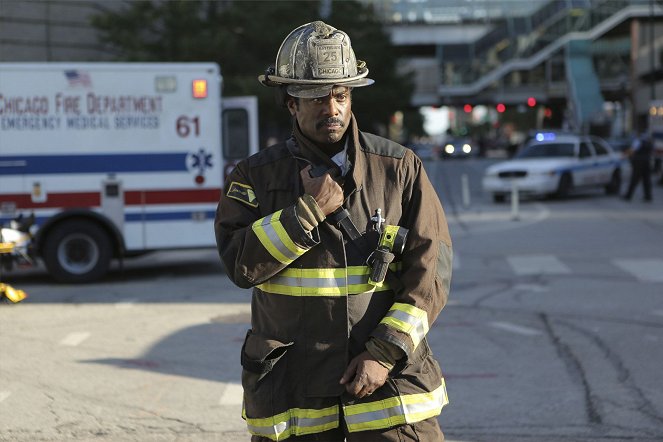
[{"x": 548, "y": 150}]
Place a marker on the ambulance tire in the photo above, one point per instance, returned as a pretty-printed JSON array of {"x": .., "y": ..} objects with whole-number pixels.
[{"x": 77, "y": 251}]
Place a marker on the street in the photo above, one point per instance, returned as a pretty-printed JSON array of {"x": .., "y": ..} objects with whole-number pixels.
[{"x": 553, "y": 332}]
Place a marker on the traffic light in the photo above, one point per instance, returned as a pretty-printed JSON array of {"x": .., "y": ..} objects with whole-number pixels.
[
  {"x": 531, "y": 101},
  {"x": 500, "y": 107},
  {"x": 467, "y": 108}
]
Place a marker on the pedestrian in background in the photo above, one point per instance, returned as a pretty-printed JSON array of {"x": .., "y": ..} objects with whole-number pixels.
[
  {"x": 334, "y": 353},
  {"x": 640, "y": 154}
]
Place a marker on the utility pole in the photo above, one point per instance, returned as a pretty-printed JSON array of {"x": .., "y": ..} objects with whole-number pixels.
[{"x": 652, "y": 51}]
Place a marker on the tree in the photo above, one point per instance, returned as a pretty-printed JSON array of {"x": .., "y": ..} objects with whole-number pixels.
[{"x": 244, "y": 36}]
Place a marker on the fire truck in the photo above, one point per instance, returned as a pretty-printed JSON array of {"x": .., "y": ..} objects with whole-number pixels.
[{"x": 116, "y": 159}]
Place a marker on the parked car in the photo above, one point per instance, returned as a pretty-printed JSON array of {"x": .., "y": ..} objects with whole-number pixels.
[{"x": 557, "y": 164}]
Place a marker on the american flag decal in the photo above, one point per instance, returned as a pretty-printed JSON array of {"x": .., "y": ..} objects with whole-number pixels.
[{"x": 78, "y": 78}]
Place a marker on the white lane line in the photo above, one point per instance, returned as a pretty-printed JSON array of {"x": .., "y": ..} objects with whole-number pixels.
[
  {"x": 74, "y": 339},
  {"x": 455, "y": 261},
  {"x": 537, "y": 265},
  {"x": 232, "y": 395},
  {"x": 648, "y": 270},
  {"x": 515, "y": 328},
  {"x": 4, "y": 395},
  {"x": 126, "y": 303}
]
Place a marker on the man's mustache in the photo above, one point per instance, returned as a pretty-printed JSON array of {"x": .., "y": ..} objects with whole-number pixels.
[{"x": 330, "y": 120}]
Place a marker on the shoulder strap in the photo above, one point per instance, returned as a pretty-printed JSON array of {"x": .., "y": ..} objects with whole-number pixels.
[{"x": 341, "y": 219}]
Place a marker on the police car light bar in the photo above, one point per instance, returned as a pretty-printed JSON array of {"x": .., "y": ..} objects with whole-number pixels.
[{"x": 545, "y": 136}]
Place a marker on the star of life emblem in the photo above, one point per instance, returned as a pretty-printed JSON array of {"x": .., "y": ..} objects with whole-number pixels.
[{"x": 199, "y": 162}]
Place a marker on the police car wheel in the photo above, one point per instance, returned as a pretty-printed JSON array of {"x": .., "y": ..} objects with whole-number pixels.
[
  {"x": 565, "y": 185},
  {"x": 499, "y": 197},
  {"x": 77, "y": 251}
]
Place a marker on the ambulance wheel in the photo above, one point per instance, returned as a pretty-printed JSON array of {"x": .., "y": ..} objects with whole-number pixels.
[{"x": 77, "y": 251}]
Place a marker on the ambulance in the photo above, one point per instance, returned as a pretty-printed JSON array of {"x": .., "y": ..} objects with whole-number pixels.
[{"x": 117, "y": 159}]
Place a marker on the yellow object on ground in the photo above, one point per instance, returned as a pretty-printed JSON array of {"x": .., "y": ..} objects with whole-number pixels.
[
  {"x": 14, "y": 295},
  {"x": 6, "y": 247}
]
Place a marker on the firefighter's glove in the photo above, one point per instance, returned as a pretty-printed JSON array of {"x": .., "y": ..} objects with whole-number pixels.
[
  {"x": 364, "y": 375},
  {"x": 385, "y": 353},
  {"x": 308, "y": 212},
  {"x": 326, "y": 192}
]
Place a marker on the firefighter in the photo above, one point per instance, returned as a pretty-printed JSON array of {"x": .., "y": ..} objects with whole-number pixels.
[{"x": 335, "y": 352}]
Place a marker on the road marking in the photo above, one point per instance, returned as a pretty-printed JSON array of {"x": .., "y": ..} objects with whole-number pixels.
[
  {"x": 127, "y": 303},
  {"x": 455, "y": 261},
  {"x": 515, "y": 328},
  {"x": 491, "y": 220},
  {"x": 537, "y": 265},
  {"x": 4, "y": 395},
  {"x": 74, "y": 339},
  {"x": 531, "y": 288},
  {"x": 232, "y": 395},
  {"x": 648, "y": 270}
]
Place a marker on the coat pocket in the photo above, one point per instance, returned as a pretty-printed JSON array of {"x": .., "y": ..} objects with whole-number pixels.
[{"x": 259, "y": 356}]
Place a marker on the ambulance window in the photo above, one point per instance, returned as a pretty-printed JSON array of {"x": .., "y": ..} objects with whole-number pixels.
[{"x": 235, "y": 134}]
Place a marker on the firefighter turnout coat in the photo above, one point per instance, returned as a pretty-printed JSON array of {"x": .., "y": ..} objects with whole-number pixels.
[{"x": 312, "y": 307}]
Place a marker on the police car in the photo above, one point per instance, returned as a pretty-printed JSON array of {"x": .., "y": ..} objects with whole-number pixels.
[{"x": 555, "y": 164}]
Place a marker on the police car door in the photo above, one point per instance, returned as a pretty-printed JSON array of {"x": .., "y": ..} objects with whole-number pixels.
[
  {"x": 606, "y": 163},
  {"x": 586, "y": 171}
]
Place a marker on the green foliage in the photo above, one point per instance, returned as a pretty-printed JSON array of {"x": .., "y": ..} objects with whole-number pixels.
[{"x": 244, "y": 36}]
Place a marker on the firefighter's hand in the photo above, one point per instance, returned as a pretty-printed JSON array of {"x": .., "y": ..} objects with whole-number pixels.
[
  {"x": 364, "y": 375},
  {"x": 327, "y": 193}
]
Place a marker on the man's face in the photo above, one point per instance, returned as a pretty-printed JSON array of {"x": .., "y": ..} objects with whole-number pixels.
[{"x": 324, "y": 120}]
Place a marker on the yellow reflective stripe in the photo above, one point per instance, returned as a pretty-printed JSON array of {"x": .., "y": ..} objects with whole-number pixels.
[
  {"x": 408, "y": 319},
  {"x": 399, "y": 410},
  {"x": 275, "y": 239},
  {"x": 321, "y": 282},
  {"x": 293, "y": 422}
]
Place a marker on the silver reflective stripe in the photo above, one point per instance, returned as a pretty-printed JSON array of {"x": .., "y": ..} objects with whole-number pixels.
[
  {"x": 371, "y": 416},
  {"x": 272, "y": 234},
  {"x": 307, "y": 282},
  {"x": 358, "y": 279},
  {"x": 420, "y": 329}
]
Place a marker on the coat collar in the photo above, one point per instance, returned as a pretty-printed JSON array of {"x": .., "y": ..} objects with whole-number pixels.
[{"x": 307, "y": 149}]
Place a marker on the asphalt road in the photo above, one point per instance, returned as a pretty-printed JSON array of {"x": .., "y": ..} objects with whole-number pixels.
[{"x": 553, "y": 332}]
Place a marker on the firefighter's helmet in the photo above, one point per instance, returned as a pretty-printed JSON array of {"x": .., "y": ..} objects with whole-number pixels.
[{"x": 313, "y": 59}]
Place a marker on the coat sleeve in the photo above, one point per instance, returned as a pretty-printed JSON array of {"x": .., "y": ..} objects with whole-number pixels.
[
  {"x": 254, "y": 245},
  {"x": 426, "y": 263}
]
